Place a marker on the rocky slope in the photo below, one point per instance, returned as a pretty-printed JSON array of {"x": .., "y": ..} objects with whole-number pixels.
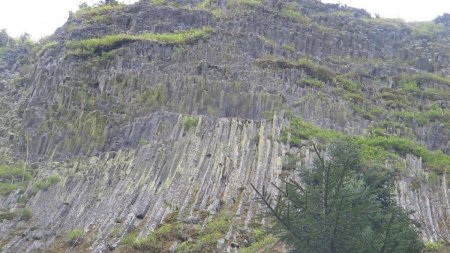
[{"x": 163, "y": 112}]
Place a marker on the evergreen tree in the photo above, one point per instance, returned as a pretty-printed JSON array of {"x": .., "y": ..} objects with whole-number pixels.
[{"x": 340, "y": 207}]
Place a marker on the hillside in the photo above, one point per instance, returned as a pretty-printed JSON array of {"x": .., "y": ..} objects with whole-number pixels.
[{"x": 137, "y": 121}]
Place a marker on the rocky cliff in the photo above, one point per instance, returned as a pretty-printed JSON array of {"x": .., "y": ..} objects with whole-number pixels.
[{"x": 131, "y": 121}]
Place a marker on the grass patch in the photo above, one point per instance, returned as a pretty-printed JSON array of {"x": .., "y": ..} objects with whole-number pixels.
[
  {"x": 290, "y": 11},
  {"x": 158, "y": 2},
  {"x": 434, "y": 246},
  {"x": 110, "y": 42},
  {"x": 160, "y": 239},
  {"x": 311, "y": 68},
  {"x": 375, "y": 149},
  {"x": 189, "y": 122},
  {"x": 45, "y": 183},
  {"x": 206, "y": 240},
  {"x": 393, "y": 22},
  {"x": 261, "y": 245},
  {"x": 309, "y": 82},
  {"x": 237, "y": 3},
  {"x": 75, "y": 236},
  {"x": 288, "y": 47},
  {"x": 13, "y": 177},
  {"x": 40, "y": 51},
  {"x": 104, "y": 9},
  {"x": 267, "y": 41},
  {"x": 423, "y": 78},
  {"x": 7, "y": 216}
]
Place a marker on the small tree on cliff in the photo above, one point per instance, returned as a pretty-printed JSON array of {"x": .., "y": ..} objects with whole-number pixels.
[{"x": 340, "y": 207}]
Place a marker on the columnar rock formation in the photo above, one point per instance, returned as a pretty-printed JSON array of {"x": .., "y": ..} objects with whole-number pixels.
[{"x": 176, "y": 108}]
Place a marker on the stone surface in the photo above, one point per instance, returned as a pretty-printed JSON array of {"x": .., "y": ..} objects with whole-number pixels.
[{"x": 114, "y": 127}]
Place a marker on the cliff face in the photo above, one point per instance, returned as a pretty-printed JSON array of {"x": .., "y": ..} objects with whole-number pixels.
[{"x": 129, "y": 115}]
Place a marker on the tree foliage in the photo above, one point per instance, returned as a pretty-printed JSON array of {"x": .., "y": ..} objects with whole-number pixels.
[{"x": 339, "y": 206}]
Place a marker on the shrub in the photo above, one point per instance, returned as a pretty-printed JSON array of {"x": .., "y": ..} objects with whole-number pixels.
[
  {"x": 433, "y": 246},
  {"x": 75, "y": 236},
  {"x": 26, "y": 214},
  {"x": 190, "y": 121},
  {"x": 409, "y": 86}
]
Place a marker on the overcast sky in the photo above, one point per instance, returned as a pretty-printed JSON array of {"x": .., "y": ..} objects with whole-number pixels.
[
  {"x": 41, "y": 17},
  {"x": 408, "y": 10}
]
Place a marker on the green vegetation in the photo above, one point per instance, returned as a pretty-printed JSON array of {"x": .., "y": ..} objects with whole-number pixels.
[
  {"x": 409, "y": 86},
  {"x": 393, "y": 22},
  {"x": 158, "y": 2},
  {"x": 44, "y": 47},
  {"x": 340, "y": 206},
  {"x": 288, "y": 47},
  {"x": 311, "y": 68},
  {"x": 206, "y": 239},
  {"x": 237, "y": 3},
  {"x": 190, "y": 121},
  {"x": 374, "y": 149},
  {"x": 129, "y": 239},
  {"x": 206, "y": 5},
  {"x": 427, "y": 77},
  {"x": 13, "y": 177},
  {"x": 154, "y": 97},
  {"x": 75, "y": 235},
  {"x": 45, "y": 183},
  {"x": 192, "y": 238},
  {"x": 89, "y": 12},
  {"x": 160, "y": 239},
  {"x": 267, "y": 41},
  {"x": 110, "y": 42},
  {"x": 425, "y": 29},
  {"x": 290, "y": 162},
  {"x": 437, "y": 247},
  {"x": 7, "y": 216},
  {"x": 261, "y": 245},
  {"x": 26, "y": 214},
  {"x": 291, "y": 12},
  {"x": 313, "y": 83}
]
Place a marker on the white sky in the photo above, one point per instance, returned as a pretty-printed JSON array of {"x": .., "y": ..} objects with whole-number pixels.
[
  {"x": 41, "y": 17},
  {"x": 408, "y": 10}
]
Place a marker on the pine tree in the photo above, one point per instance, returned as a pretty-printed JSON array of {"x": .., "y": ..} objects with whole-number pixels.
[{"x": 340, "y": 207}]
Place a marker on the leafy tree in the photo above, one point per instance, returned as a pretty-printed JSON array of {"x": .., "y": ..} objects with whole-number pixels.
[{"x": 341, "y": 207}]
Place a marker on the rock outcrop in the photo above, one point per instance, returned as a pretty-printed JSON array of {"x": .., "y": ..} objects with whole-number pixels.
[{"x": 129, "y": 115}]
